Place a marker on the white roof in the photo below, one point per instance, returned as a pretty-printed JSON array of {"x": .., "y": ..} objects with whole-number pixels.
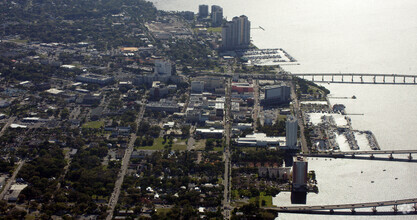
[
  {"x": 17, "y": 126},
  {"x": 68, "y": 66},
  {"x": 54, "y": 91},
  {"x": 18, "y": 187},
  {"x": 209, "y": 130},
  {"x": 261, "y": 139}
]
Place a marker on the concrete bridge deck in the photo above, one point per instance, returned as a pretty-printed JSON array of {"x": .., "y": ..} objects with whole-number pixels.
[
  {"x": 357, "y": 154},
  {"x": 368, "y": 152},
  {"x": 359, "y": 78},
  {"x": 352, "y": 206}
]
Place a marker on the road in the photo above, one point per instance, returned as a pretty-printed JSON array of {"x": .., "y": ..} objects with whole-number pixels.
[
  {"x": 9, "y": 122},
  {"x": 125, "y": 162},
  {"x": 226, "y": 154},
  {"x": 298, "y": 113},
  {"x": 256, "y": 105},
  {"x": 11, "y": 180}
]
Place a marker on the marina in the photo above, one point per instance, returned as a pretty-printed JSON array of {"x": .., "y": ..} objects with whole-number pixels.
[{"x": 265, "y": 57}]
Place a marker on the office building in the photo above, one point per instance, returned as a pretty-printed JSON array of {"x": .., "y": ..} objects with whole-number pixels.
[
  {"x": 163, "y": 67},
  {"x": 236, "y": 33},
  {"x": 197, "y": 86},
  {"x": 203, "y": 11},
  {"x": 277, "y": 94},
  {"x": 291, "y": 132},
  {"x": 95, "y": 79},
  {"x": 242, "y": 87},
  {"x": 188, "y": 15},
  {"x": 216, "y": 16},
  {"x": 158, "y": 90}
]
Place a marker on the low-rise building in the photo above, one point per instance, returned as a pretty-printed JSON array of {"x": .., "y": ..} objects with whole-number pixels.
[
  {"x": 95, "y": 78},
  {"x": 260, "y": 139},
  {"x": 209, "y": 132},
  {"x": 164, "y": 105}
]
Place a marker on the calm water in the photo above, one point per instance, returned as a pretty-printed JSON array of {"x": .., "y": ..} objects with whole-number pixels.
[{"x": 374, "y": 36}]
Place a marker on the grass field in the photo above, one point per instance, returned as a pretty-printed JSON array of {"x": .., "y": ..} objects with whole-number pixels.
[
  {"x": 158, "y": 145},
  {"x": 262, "y": 196},
  {"x": 218, "y": 149},
  {"x": 93, "y": 124},
  {"x": 212, "y": 29}
]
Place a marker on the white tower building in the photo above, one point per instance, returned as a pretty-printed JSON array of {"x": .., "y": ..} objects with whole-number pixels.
[{"x": 291, "y": 132}]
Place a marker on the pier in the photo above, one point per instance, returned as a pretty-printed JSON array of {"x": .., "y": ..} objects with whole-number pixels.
[
  {"x": 352, "y": 207},
  {"x": 359, "y": 78}
]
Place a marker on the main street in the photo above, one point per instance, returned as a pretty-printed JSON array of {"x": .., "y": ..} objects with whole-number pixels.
[
  {"x": 125, "y": 162},
  {"x": 226, "y": 154},
  {"x": 11, "y": 180},
  {"x": 298, "y": 113},
  {"x": 256, "y": 105}
]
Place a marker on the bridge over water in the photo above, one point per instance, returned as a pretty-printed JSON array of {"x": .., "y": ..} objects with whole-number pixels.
[
  {"x": 371, "y": 153},
  {"x": 359, "y": 78},
  {"x": 352, "y": 207}
]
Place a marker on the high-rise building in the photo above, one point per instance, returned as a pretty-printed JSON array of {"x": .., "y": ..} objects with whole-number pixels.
[
  {"x": 299, "y": 177},
  {"x": 299, "y": 181},
  {"x": 163, "y": 67},
  {"x": 236, "y": 33},
  {"x": 291, "y": 132},
  {"x": 203, "y": 11},
  {"x": 277, "y": 94},
  {"x": 216, "y": 15}
]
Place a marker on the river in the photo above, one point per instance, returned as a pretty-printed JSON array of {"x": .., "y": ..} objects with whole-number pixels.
[{"x": 368, "y": 36}]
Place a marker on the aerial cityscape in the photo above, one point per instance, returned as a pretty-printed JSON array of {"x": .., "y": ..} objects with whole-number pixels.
[{"x": 135, "y": 109}]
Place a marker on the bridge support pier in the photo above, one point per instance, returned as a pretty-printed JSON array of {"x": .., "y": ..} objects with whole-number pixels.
[
  {"x": 372, "y": 156},
  {"x": 415, "y": 207},
  {"x": 384, "y": 79},
  {"x": 353, "y": 211},
  {"x": 333, "y": 78},
  {"x": 352, "y": 78},
  {"x": 342, "y": 78},
  {"x": 313, "y": 78},
  {"x": 374, "y": 209},
  {"x": 404, "y": 80},
  {"x": 414, "y": 80},
  {"x": 361, "y": 79},
  {"x": 394, "y": 79},
  {"x": 395, "y": 208},
  {"x": 331, "y": 211},
  {"x": 410, "y": 157},
  {"x": 391, "y": 157},
  {"x": 374, "y": 79},
  {"x": 353, "y": 155}
]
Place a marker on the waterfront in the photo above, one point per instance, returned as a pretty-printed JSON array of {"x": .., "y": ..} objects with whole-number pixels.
[{"x": 347, "y": 36}]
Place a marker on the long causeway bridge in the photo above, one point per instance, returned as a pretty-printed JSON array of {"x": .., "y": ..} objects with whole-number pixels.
[
  {"x": 352, "y": 207},
  {"x": 371, "y": 153},
  {"x": 359, "y": 78}
]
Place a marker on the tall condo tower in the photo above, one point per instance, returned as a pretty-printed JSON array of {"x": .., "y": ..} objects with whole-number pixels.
[
  {"x": 236, "y": 33},
  {"x": 291, "y": 132},
  {"x": 216, "y": 15},
  {"x": 203, "y": 11}
]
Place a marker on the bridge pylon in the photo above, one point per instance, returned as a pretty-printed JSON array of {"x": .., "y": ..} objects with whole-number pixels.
[
  {"x": 374, "y": 209},
  {"x": 395, "y": 208},
  {"x": 353, "y": 211}
]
